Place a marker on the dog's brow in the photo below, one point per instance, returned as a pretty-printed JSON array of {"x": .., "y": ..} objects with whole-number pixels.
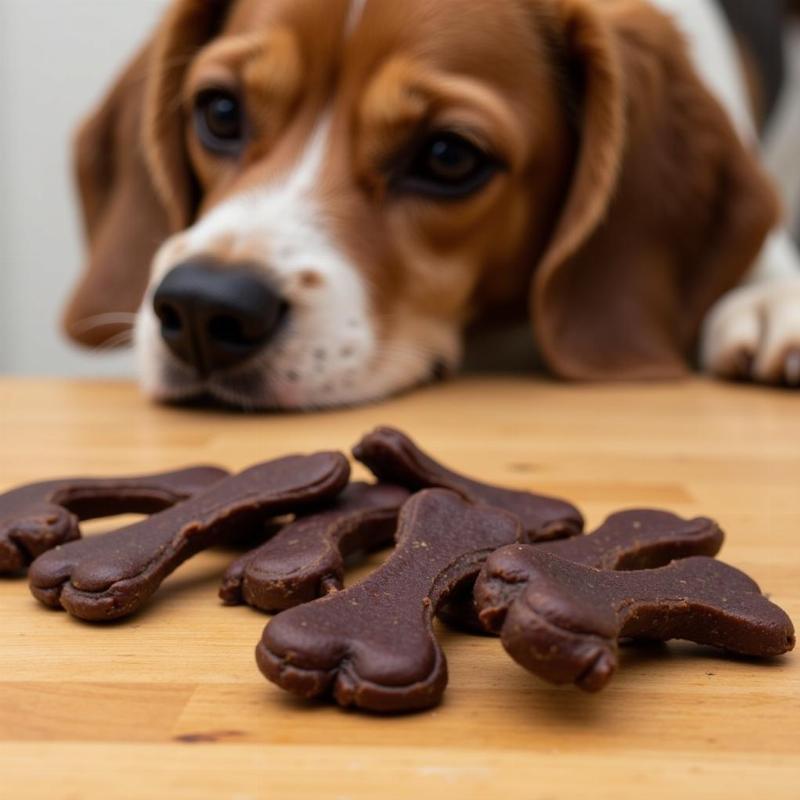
[
  {"x": 277, "y": 69},
  {"x": 265, "y": 57},
  {"x": 403, "y": 94}
]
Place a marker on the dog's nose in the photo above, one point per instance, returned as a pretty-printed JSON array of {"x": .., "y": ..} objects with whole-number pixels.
[{"x": 214, "y": 317}]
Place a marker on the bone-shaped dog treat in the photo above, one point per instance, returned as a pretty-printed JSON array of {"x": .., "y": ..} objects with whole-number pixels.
[
  {"x": 40, "y": 516},
  {"x": 562, "y": 620},
  {"x": 306, "y": 559},
  {"x": 627, "y": 540},
  {"x": 372, "y": 645},
  {"x": 640, "y": 539},
  {"x": 111, "y": 576},
  {"x": 393, "y": 457}
]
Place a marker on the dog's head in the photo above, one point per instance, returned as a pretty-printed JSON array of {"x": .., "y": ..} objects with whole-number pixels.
[{"x": 315, "y": 197}]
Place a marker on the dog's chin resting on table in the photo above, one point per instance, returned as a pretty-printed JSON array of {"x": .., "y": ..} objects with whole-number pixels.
[{"x": 306, "y": 203}]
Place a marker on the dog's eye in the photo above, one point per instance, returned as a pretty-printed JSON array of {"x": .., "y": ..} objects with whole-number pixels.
[
  {"x": 219, "y": 121},
  {"x": 447, "y": 166}
]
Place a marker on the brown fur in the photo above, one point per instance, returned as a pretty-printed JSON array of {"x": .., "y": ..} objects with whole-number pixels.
[
  {"x": 124, "y": 218},
  {"x": 627, "y": 207}
]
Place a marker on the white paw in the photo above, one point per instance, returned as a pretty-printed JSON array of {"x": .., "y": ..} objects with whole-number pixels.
[{"x": 754, "y": 333}]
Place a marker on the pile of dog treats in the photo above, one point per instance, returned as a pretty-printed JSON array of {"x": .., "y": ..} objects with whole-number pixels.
[{"x": 483, "y": 558}]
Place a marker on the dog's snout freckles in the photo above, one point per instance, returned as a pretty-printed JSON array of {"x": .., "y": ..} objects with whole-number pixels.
[
  {"x": 324, "y": 351},
  {"x": 328, "y": 349}
]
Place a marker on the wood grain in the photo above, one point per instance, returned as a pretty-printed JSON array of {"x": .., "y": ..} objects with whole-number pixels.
[{"x": 170, "y": 703}]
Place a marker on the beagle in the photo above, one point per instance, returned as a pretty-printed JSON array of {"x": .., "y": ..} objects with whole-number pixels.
[{"x": 308, "y": 202}]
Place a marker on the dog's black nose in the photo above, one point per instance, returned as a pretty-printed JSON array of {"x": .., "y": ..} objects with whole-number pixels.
[{"x": 215, "y": 317}]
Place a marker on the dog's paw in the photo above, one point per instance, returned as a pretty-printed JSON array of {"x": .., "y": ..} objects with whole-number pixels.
[{"x": 753, "y": 333}]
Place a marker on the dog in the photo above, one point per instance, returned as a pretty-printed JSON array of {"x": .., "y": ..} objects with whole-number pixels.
[{"x": 307, "y": 203}]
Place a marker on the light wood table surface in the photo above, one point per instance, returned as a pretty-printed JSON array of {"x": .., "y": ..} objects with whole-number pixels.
[{"x": 170, "y": 704}]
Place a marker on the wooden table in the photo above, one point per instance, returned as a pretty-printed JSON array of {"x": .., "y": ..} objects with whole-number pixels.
[{"x": 170, "y": 704}]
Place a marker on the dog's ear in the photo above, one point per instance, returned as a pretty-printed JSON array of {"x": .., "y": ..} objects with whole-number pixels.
[
  {"x": 124, "y": 220},
  {"x": 133, "y": 176},
  {"x": 666, "y": 209},
  {"x": 188, "y": 26}
]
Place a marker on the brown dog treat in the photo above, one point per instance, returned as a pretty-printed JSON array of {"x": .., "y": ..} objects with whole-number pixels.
[
  {"x": 111, "y": 576},
  {"x": 306, "y": 559},
  {"x": 628, "y": 540},
  {"x": 641, "y": 539},
  {"x": 372, "y": 645},
  {"x": 563, "y": 619},
  {"x": 393, "y": 457},
  {"x": 38, "y": 517}
]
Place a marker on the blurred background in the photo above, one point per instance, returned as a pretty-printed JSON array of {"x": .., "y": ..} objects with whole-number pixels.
[{"x": 57, "y": 57}]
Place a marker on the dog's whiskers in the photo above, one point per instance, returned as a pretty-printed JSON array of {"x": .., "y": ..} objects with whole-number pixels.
[
  {"x": 104, "y": 320},
  {"x": 119, "y": 340}
]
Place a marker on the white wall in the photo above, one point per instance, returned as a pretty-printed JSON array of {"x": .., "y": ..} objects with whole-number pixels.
[{"x": 56, "y": 59}]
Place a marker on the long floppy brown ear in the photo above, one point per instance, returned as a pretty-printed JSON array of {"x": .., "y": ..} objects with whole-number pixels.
[
  {"x": 666, "y": 210},
  {"x": 124, "y": 219},
  {"x": 188, "y": 26}
]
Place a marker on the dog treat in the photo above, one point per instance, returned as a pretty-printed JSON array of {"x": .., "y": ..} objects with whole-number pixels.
[
  {"x": 38, "y": 517},
  {"x": 372, "y": 645},
  {"x": 628, "y": 540},
  {"x": 394, "y": 458},
  {"x": 306, "y": 559},
  {"x": 111, "y": 576},
  {"x": 562, "y": 619}
]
